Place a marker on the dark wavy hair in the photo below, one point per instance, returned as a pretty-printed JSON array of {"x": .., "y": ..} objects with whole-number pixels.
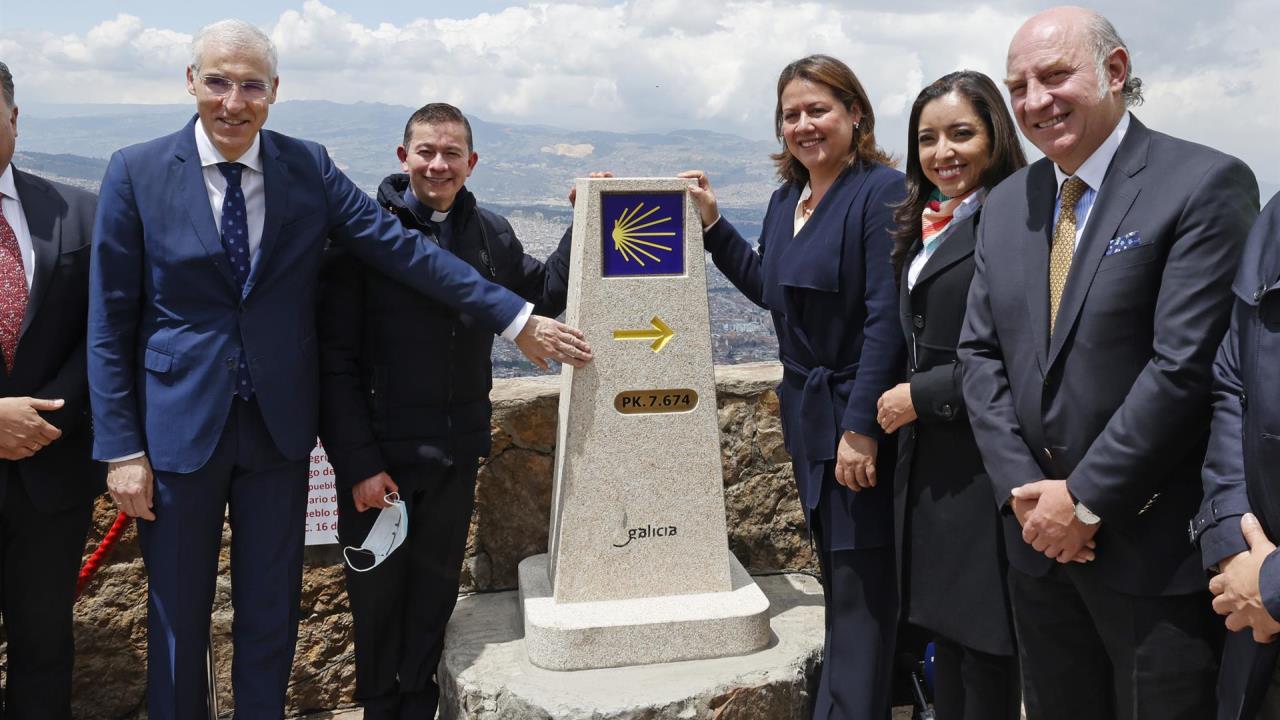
[
  {"x": 1006, "y": 152},
  {"x": 844, "y": 85}
]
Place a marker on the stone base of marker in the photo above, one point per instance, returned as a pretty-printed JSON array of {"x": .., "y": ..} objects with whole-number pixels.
[
  {"x": 486, "y": 674},
  {"x": 640, "y": 631}
]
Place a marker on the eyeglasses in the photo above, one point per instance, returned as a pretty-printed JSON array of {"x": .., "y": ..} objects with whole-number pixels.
[{"x": 249, "y": 89}]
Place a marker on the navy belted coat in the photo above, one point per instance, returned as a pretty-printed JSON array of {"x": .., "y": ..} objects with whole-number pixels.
[{"x": 830, "y": 289}]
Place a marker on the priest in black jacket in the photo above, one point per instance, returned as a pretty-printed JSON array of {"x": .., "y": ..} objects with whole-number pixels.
[{"x": 405, "y": 408}]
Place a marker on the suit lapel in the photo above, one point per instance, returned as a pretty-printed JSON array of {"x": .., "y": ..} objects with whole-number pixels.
[
  {"x": 1115, "y": 197},
  {"x": 44, "y": 224},
  {"x": 904, "y": 302},
  {"x": 275, "y": 180},
  {"x": 1041, "y": 196},
  {"x": 814, "y": 254},
  {"x": 188, "y": 177}
]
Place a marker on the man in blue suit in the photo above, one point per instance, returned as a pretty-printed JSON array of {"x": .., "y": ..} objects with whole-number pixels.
[{"x": 202, "y": 358}]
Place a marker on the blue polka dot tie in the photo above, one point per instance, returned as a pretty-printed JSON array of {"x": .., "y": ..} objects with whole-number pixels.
[{"x": 235, "y": 241}]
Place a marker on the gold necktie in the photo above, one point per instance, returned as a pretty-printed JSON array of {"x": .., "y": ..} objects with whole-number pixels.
[{"x": 1064, "y": 244}]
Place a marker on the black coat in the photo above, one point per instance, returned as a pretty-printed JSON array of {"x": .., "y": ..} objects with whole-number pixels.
[
  {"x": 406, "y": 379},
  {"x": 952, "y": 564},
  {"x": 50, "y": 360},
  {"x": 1242, "y": 468}
]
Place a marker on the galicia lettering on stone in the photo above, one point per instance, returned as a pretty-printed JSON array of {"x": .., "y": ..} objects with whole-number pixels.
[{"x": 646, "y": 532}]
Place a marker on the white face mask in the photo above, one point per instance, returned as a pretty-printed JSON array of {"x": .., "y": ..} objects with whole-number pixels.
[{"x": 388, "y": 531}]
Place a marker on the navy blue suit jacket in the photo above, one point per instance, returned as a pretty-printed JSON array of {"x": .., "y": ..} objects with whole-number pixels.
[
  {"x": 831, "y": 292},
  {"x": 1242, "y": 468},
  {"x": 1116, "y": 399},
  {"x": 167, "y": 320}
]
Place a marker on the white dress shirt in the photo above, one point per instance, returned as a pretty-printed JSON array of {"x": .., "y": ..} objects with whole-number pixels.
[
  {"x": 255, "y": 194},
  {"x": 1092, "y": 172},
  {"x": 12, "y": 206}
]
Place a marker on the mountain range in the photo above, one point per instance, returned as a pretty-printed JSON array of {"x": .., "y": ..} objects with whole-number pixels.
[
  {"x": 530, "y": 165},
  {"x": 521, "y": 166}
]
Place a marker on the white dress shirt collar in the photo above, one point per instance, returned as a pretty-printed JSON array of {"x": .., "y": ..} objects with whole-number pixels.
[
  {"x": 7, "y": 188},
  {"x": 209, "y": 154},
  {"x": 1093, "y": 170}
]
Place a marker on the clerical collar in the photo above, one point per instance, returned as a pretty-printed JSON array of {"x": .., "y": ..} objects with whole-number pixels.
[{"x": 420, "y": 209}]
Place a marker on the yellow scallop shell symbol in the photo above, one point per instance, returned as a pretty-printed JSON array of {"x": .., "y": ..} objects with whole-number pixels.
[{"x": 627, "y": 235}]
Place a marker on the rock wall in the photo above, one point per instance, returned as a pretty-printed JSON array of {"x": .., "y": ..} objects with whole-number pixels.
[{"x": 513, "y": 500}]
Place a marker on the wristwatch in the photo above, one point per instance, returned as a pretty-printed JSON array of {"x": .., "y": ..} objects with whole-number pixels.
[{"x": 1085, "y": 515}]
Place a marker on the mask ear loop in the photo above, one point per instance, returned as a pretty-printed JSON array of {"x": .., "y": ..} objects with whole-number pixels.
[{"x": 347, "y": 558}]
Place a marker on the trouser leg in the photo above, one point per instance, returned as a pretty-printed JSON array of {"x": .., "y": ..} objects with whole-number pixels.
[
  {"x": 268, "y": 529},
  {"x": 180, "y": 548},
  {"x": 861, "y": 620},
  {"x": 973, "y": 685},
  {"x": 437, "y": 541},
  {"x": 1163, "y": 650},
  {"x": 1090, "y": 651},
  {"x": 377, "y": 598},
  {"x": 40, "y": 551},
  {"x": 1065, "y": 671}
]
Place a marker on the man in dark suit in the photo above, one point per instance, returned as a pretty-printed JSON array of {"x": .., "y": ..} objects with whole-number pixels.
[
  {"x": 47, "y": 478},
  {"x": 405, "y": 408},
  {"x": 1101, "y": 291},
  {"x": 202, "y": 358},
  {"x": 1240, "y": 514}
]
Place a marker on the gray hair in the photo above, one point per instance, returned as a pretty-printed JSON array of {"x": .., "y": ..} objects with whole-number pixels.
[
  {"x": 1103, "y": 39},
  {"x": 6, "y": 85},
  {"x": 235, "y": 35}
]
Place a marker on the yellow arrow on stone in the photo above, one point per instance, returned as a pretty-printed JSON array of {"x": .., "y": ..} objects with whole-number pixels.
[{"x": 661, "y": 334}]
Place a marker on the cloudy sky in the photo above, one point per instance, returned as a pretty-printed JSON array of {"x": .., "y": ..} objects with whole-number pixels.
[{"x": 1211, "y": 69}]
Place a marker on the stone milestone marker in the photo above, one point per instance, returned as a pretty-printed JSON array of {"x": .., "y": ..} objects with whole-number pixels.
[{"x": 638, "y": 569}]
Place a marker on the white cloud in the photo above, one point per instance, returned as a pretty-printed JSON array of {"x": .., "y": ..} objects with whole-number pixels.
[{"x": 663, "y": 64}]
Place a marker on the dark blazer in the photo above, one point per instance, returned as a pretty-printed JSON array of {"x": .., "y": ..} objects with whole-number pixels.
[
  {"x": 405, "y": 379},
  {"x": 50, "y": 360},
  {"x": 1242, "y": 468},
  {"x": 1116, "y": 401},
  {"x": 949, "y": 535},
  {"x": 833, "y": 298},
  {"x": 167, "y": 320}
]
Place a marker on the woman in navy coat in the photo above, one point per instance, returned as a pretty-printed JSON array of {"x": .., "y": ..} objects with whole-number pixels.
[
  {"x": 822, "y": 269},
  {"x": 961, "y": 142}
]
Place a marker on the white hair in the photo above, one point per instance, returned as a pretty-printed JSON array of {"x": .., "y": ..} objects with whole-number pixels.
[
  {"x": 234, "y": 35},
  {"x": 1103, "y": 40}
]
